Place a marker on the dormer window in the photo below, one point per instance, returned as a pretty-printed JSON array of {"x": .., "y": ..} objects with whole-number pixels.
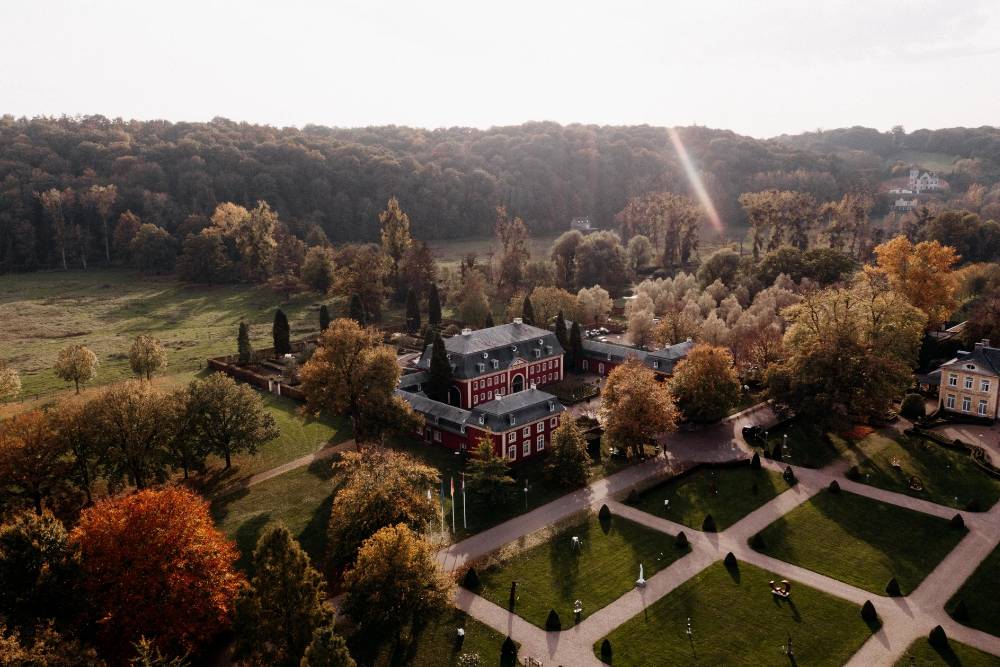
[
  {"x": 552, "y": 406},
  {"x": 482, "y": 420},
  {"x": 656, "y": 364},
  {"x": 548, "y": 349},
  {"x": 541, "y": 342},
  {"x": 513, "y": 348},
  {"x": 486, "y": 355},
  {"x": 609, "y": 356},
  {"x": 481, "y": 366},
  {"x": 496, "y": 364},
  {"x": 513, "y": 420},
  {"x": 970, "y": 367},
  {"x": 538, "y": 354}
]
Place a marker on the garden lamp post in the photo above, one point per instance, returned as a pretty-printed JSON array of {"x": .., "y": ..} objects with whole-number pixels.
[{"x": 525, "y": 495}]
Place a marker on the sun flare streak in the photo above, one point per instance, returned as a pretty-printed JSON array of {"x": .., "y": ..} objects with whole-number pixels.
[{"x": 695, "y": 180}]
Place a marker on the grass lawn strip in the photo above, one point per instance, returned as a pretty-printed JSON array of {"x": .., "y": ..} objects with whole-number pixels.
[
  {"x": 981, "y": 595},
  {"x": 735, "y": 620},
  {"x": 804, "y": 446},
  {"x": 923, "y": 654},
  {"x": 727, "y": 493},
  {"x": 948, "y": 477},
  {"x": 552, "y": 575},
  {"x": 861, "y": 541}
]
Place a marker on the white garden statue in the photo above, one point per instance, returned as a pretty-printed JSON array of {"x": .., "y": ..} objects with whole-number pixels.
[{"x": 641, "y": 581}]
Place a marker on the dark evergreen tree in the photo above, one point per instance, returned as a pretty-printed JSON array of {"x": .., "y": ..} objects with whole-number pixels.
[
  {"x": 327, "y": 649},
  {"x": 356, "y": 310},
  {"x": 281, "y": 334},
  {"x": 755, "y": 461},
  {"x": 937, "y": 638},
  {"x": 434, "y": 306},
  {"x": 528, "y": 311},
  {"x": 324, "y": 317},
  {"x": 552, "y": 623},
  {"x": 440, "y": 378},
  {"x": 489, "y": 323},
  {"x": 429, "y": 334},
  {"x": 562, "y": 334},
  {"x": 575, "y": 347},
  {"x": 730, "y": 561},
  {"x": 708, "y": 525},
  {"x": 412, "y": 312},
  {"x": 284, "y": 604},
  {"x": 892, "y": 588},
  {"x": 868, "y": 612},
  {"x": 243, "y": 347}
]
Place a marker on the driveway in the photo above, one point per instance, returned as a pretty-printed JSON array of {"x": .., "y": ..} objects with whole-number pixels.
[{"x": 986, "y": 436}]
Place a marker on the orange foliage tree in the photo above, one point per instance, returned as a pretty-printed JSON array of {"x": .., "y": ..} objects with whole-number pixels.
[
  {"x": 34, "y": 464},
  {"x": 155, "y": 566},
  {"x": 923, "y": 274}
]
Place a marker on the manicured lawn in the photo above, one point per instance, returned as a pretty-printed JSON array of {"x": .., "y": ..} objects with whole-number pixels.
[
  {"x": 949, "y": 477},
  {"x": 437, "y": 645},
  {"x": 735, "y": 620},
  {"x": 106, "y": 309},
  {"x": 861, "y": 541},
  {"x": 981, "y": 594},
  {"x": 804, "y": 445},
  {"x": 728, "y": 494},
  {"x": 300, "y": 499},
  {"x": 922, "y": 654},
  {"x": 552, "y": 575}
]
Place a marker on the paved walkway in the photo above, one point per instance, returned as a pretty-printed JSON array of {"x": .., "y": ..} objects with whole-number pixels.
[
  {"x": 904, "y": 619},
  {"x": 301, "y": 462}
]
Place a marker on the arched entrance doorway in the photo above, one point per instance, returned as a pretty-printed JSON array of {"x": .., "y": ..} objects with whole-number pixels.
[
  {"x": 454, "y": 396},
  {"x": 517, "y": 384}
]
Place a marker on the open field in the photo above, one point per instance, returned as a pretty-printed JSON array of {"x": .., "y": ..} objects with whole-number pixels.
[
  {"x": 923, "y": 654},
  {"x": 928, "y": 161},
  {"x": 981, "y": 595},
  {"x": 861, "y": 541},
  {"x": 735, "y": 620},
  {"x": 949, "y": 477},
  {"x": 450, "y": 252},
  {"x": 727, "y": 493},
  {"x": 106, "y": 310},
  {"x": 604, "y": 567}
]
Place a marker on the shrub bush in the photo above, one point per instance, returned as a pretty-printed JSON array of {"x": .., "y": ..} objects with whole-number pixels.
[
  {"x": 913, "y": 407},
  {"x": 681, "y": 540},
  {"x": 606, "y": 651},
  {"x": 892, "y": 588},
  {"x": 853, "y": 474},
  {"x": 708, "y": 524},
  {"x": 960, "y": 612},
  {"x": 552, "y": 623},
  {"x": 834, "y": 487},
  {"x": 757, "y": 542},
  {"x": 755, "y": 462},
  {"x": 604, "y": 514},
  {"x": 937, "y": 638},
  {"x": 730, "y": 561},
  {"x": 508, "y": 652},
  {"x": 790, "y": 476},
  {"x": 868, "y": 613},
  {"x": 471, "y": 579},
  {"x": 958, "y": 522}
]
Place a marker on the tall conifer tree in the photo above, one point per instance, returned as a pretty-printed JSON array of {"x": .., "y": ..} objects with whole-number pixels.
[{"x": 281, "y": 334}]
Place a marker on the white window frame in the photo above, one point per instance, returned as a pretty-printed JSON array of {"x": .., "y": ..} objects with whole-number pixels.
[
  {"x": 950, "y": 402},
  {"x": 526, "y": 448},
  {"x": 437, "y": 436},
  {"x": 984, "y": 386},
  {"x": 539, "y": 427},
  {"x": 489, "y": 395},
  {"x": 968, "y": 382},
  {"x": 982, "y": 406},
  {"x": 512, "y": 436},
  {"x": 539, "y": 443},
  {"x": 526, "y": 431},
  {"x": 554, "y": 422},
  {"x": 512, "y": 453},
  {"x": 953, "y": 380},
  {"x": 966, "y": 404}
]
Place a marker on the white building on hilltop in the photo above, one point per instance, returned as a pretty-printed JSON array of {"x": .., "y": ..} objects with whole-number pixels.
[{"x": 925, "y": 181}]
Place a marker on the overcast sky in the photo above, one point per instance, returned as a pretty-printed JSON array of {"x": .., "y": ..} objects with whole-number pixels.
[{"x": 759, "y": 68}]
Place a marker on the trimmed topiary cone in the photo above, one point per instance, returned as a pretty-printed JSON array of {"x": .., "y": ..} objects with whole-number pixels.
[
  {"x": 606, "y": 651},
  {"x": 757, "y": 542},
  {"x": 937, "y": 638},
  {"x": 471, "y": 579},
  {"x": 958, "y": 522},
  {"x": 755, "y": 462},
  {"x": 508, "y": 650},
  {"x": 868, "y": 612},
  {"x": 604, "y": 514},
  {"x": 708, "y": 525},
  {"x": 853, "y": 473},
  {"x": 892, "y": 588},
  {"x": 681, "y": 540},
  {"x": 730, "y": 561},
  {"x": 960, "y": 612},
  {"x": 552, "y": 623},
  {"x": 834, "y": 487},
  {"x": 790, "y": 476}
]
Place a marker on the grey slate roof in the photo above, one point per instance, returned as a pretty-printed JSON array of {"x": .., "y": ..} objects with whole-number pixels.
[
  {"x": 665, "y": 358},
  {"x": 441, "y": 414},
  {"x": 413, "y": 380},
  {"x": 987, "y": 358},
  {"x": 483, "y": 346},
  {"x": 524, "y": 406}
]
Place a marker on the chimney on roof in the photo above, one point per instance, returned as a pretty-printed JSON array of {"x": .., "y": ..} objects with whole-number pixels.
[
  {"x": 518, "y": 320},
  {"x": 466, "y": 332}
]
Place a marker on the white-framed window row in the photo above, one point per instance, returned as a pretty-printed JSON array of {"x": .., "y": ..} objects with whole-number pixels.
[
  {"x": 966, "y": 404},
  {"x": 539, "y": 427},
  {"x": 540, "y": 443},
  {"x": 526, "y": 431},
  {"x": 512, "y": 452},
  {"x": 950, "y": 402},
  {"x": 982, "y": 407},
  {"x": 512, "y": 436},
  {"x": 953, "y": 380},
  {"x": 968, "y": 382},
  {"x": 984, "y": 386}
]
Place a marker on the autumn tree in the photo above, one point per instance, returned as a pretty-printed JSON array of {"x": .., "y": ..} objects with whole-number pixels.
[
  {"x": 363, "y": 272},
  {"x": 356, "y": 310},
  {"x": 640, "y": 254},
  {"x": 640, "y": 328},
  {"x": 229, "y": 417},
  {"x": 489, "y": 472},
  {"x": 10, "y": 382},
  {"x": 473, "y": 304},
  {"x": 563, "y": 254},
  {"x": 395, "y": 583},
  {"x": 39, "y": 572},
  {"x": 352, "y": 373},
  {"x": 131, "y": 426},
  {"x": 548, "y": 302},
  {"x": 203, "y": 259},
  {"x": 244, "y": 350},
  {"x": 395, "y": 234},
  {"x": 185, "y": 448},
  {"x": 636, "y": 408},
  {"x": 669, "y": 221},
  {"x": 327, "y": 649},
  {"x": 412, "y": 311},
  {"x": 983, "y": 323},
  {"x": 84, "y": 446},
  {"x": 724, "y": 265},
  {"x": 34, "y": 465},
  {"x": 380, "y": 487},
  {"x": 54, "y": 204},
  {"x": 77, "y": 364},
  {"x": 567, "y": 461},
  {"x": 153, "y": 250},
  {"x": 252, "y": 234},
  {"x": 45, "y": 645},
  {"x": 923, "y": 274},
  {"x": 593, "y": 304},
  {"x": 779, "y": 216},
  {"x": 705, "y": 383},
  {"x": 155, "y": 566},
  {"x": 281, "y": 333},
  {"x": 125, "y": 230},
  {"x": 318, "y": 269},
  {"x": 849, "y": 353},
  {"x": 284, "y": 605},
  {"x": 146, "y": 356},
  {"x": 512, "y": 235},
  {"x": 601, "y": 260},
  {"x": 418, "y": 268},
  {"x": 102, "y": 199}
]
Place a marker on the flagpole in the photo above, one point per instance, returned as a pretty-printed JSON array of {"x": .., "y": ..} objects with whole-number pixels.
[
  {"x": 442, "y": 507},
  {"x": 465, "y": 524},
  {"x": 452, "y": 504}
]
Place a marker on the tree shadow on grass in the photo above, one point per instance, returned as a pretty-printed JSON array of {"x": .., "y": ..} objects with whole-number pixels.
[
  {"x": 246, "y": 538},
  {"x": 948, "y": 656},
  {"x": 564, "y": 559}
]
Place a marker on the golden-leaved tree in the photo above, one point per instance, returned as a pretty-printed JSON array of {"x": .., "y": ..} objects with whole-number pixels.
[
  {"x": 705, "y": 383},
  {"x": 923, "y": 273},
  {"x": 636, "y": 408}
]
